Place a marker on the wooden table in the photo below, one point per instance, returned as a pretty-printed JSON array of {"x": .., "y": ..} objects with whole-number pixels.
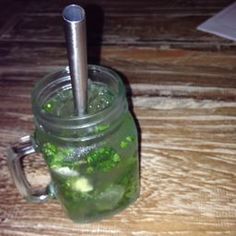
[{"x": 183, "y": 87}]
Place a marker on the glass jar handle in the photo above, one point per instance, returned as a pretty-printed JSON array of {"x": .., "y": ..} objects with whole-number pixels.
[{"x": 16, "y": 153}]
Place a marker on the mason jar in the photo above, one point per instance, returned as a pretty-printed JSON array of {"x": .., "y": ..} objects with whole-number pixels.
[{"x": 93, "y": 160}]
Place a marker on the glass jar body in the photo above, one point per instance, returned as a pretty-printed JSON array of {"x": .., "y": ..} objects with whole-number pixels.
[
  {"x": 93, "y": 180},
  {"x": 93, "y": 160}
]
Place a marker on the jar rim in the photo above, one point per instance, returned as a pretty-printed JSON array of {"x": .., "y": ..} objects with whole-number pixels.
[
  {"x": 81, "y": 128},
  {"x": 43, "y": 84}
]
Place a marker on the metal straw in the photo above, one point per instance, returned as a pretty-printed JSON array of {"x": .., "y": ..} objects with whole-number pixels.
[{"x": 75, "y": 34}]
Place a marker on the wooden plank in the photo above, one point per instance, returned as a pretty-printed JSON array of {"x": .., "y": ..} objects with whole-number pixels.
[
  {"x": 184, "y": 101},
  {"x": 7, "y": 11},
  {"x": 174, "y": 31},
  {"x": 188, "y": 178},
  {"x": 172, "y": 72},
  {"x": 133, "y": 6}
]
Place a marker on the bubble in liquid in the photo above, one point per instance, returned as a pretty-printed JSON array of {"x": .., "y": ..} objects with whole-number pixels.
[
  {"x": 100, "y": 97},
  {"x": 62, "y": 105}
]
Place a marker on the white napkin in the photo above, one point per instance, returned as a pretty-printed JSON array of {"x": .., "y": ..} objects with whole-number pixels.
[{"x": 222, "y": 24}]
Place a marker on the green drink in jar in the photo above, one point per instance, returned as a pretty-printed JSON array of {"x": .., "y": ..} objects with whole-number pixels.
[{"x": 92, "y": 159}]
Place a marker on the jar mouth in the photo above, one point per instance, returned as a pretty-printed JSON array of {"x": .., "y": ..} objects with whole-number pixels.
[{"x": 60, "y": 81}]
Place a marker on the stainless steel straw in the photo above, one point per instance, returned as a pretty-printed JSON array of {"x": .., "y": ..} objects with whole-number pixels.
[{"x": 75, "y": 34}]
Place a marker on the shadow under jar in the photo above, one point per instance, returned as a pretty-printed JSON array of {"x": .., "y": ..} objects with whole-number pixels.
[{"x": 93, "y": 159}]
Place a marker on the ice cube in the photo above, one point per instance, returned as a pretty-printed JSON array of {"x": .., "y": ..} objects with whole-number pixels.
[
  {"x": 110, "y": 197},
  {"x": 66, "y": 171},
  {"x": 82, "y": 184}
]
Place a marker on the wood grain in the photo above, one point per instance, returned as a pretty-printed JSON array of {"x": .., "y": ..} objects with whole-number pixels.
[
  {"x": 188, "y": 178},
  {"x": 172, "y": 72},
  {"x": 182, "y": 85},
  {"x": 172, "y": 23},
  {"x": 131, "y": 6}
]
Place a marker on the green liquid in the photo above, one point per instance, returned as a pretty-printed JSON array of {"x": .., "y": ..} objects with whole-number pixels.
[
  {"x": 61, "y": 105},
  {"x": 98, "y": 180}
]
